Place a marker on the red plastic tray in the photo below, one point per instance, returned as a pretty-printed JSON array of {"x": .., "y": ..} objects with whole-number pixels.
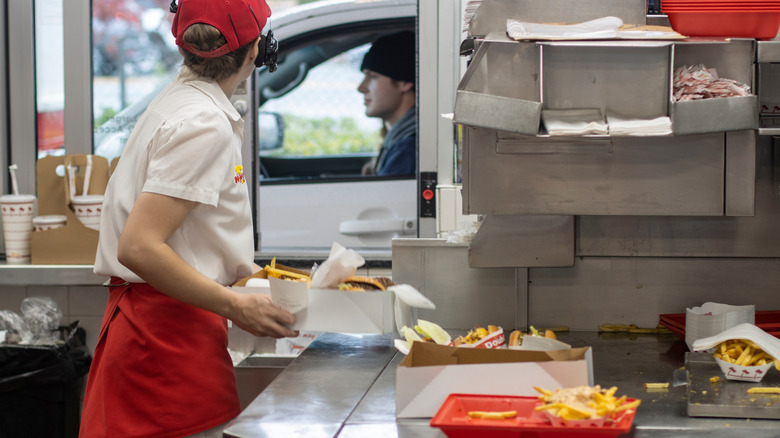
[
  {"x": 452, "y": 418},
  {"x": 759, "y": 25},
  {"x": 768, "y": 321}
]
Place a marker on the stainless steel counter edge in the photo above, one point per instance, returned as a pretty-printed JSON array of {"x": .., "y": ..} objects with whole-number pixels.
[
  {"x": 48, "y": 275},
  {"x": 344, "y": 386}
]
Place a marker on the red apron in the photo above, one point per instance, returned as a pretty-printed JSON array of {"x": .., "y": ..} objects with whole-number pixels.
[{"x": 160, "y": 369}]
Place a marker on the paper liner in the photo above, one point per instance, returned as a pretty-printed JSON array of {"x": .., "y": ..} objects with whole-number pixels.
[
  {"x": 540, "y": 343},
  {"x": 767, "y": 342},
  {"x": 739, "y": 372},
  {"x": 558, "y": 421}
]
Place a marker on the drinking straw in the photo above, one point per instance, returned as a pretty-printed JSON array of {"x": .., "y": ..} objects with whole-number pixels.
[
  {"x": 14, "y": 184},
  {"x": 87, "y": 175},
  {"x": 72, "y": 180}
]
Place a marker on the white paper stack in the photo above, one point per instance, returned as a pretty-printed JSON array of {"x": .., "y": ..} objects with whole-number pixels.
[
  {"x": 713, "y": 318},
  {"x": 574, "y": 122},
  {"x": 600, "y": 28},
  {"x": 639, "y": 127}
]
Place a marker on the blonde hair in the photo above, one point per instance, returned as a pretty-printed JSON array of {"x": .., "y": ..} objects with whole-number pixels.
[{"x": 206, "y": 38}]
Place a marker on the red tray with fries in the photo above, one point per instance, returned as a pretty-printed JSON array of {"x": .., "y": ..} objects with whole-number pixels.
[
  {"x": 453, "y": 419},
  {"x": 768, "y": 321}
]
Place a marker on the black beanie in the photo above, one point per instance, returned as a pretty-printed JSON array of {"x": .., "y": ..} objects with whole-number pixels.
[{"x": 392, "y": 56}]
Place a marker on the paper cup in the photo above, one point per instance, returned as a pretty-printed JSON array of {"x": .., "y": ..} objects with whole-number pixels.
[
  {"x": 746, "y": 374},
  {"x": 88, "y": 209},
  {"x": 17, "y": 214},
  {"x": 49, "y": 222}
]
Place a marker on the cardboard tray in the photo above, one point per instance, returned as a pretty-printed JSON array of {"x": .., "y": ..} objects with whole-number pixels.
[
  {"x": 452, "y": 418},
  {"x": 430, "y": 372}
]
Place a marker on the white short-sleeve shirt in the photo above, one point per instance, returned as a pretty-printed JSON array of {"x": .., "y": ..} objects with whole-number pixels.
[{"x": 186, "y": 145}]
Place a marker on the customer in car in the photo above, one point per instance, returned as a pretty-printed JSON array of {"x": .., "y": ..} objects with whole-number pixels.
[
  {"x": 388, "y": 90},
  {"x": 176, "y": 230}
]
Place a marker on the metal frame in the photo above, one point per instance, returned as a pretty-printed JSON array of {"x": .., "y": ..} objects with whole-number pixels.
[
  {"x": 4, "y": 107},
  {"x": 21, "y": 93},
  {"x": 77, "y": 42}
]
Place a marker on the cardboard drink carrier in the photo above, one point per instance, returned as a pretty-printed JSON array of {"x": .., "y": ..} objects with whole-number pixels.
[{"x": 75, "y": 243}]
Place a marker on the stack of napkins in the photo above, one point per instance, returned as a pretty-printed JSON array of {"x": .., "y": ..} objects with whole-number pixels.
[
  {"x": 710, "y": 319},
  {"x": 600, "y": 28},
  {"x": 574, "y": 122},
  {"x": 639, "y": 127}
]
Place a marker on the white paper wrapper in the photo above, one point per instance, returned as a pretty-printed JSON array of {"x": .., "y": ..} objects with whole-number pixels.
[
  {"x": 712, "y": 318},
  {"x": 340, "y": 264},
  {"x": 767, "y": 342},
  {"x": 540, "y": 343}
]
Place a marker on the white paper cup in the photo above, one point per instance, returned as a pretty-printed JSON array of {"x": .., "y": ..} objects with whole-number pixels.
[
  {"x": 17, "y": 214},
  {"x": 88, "y": 209},
  {"x": 49, "y": 222}
]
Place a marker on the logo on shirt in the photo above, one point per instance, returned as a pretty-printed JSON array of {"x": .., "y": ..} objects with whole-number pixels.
[{"x": 239, "y": 177}]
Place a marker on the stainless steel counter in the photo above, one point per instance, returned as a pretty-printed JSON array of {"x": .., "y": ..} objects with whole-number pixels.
[{"x": 344, "y": 386}]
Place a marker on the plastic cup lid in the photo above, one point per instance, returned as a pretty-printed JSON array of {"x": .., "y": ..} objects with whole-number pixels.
[
  {"x": 87, "y": 199},
  {"x": 17, "y": 199},
  {"x": 50, "y": 219}
]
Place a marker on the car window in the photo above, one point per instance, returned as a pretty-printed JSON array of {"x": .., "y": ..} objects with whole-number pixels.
[{"x": 323, "y": 118}]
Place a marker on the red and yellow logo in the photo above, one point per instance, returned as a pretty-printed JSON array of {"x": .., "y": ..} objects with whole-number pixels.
[{"x": 239, "y": 177}]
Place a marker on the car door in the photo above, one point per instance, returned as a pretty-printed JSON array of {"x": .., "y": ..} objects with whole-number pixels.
[{"x": 314, "y": 138}]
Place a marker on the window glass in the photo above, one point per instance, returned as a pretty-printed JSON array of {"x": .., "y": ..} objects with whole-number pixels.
[
  {"x": 133, "y": 52},
  {"x": 325, "y": 115},
  {"x": 49, "y": 77}
]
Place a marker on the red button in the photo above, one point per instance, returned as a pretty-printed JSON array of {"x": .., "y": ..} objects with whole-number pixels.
[{"x": 427, "y": 194}]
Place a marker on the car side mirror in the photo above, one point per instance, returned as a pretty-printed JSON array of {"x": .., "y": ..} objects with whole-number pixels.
[{"x": 271, "y": 130}]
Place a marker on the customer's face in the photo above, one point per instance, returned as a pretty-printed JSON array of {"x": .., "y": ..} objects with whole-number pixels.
[{"x": 381, "y": 95}]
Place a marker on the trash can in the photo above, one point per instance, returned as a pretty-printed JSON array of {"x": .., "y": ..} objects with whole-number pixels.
[{"x": 40, "y": 386}]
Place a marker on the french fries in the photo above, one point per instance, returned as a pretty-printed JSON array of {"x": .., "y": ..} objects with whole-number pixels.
[
  {"x": 744, "y": 352},
  {"x": 764, "y": 390},
  {"x": 491, "y": 415},
  {"x": 272, "y": 271},
  {"x": 475, "y": 335},
  {"x": 583, "y": 402}
]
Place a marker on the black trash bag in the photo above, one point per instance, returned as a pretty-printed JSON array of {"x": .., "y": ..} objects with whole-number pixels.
[
  {"x": 34, "y": 365},
  {"x": 40, "y": 386}
]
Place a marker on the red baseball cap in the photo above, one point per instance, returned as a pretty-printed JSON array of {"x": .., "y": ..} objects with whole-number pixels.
[{"x": 239, "y": 21}]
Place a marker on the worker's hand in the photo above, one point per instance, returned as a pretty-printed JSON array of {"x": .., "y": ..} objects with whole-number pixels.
[{"x": 256, "y": 314}]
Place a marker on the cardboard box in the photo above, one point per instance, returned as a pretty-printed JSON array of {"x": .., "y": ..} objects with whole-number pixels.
[
  {"x": 341, "y": 311},
  {"x": 74, "y": 244},
  {"x": 431, "y": 372}
]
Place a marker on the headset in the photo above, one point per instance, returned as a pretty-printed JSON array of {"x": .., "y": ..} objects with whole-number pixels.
[{"x": 268, "y": 45}]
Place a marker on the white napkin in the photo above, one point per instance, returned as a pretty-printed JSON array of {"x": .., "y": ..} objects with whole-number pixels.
[
  {"x": 340, "y": 264},
  {"x": 600, "y": 28},
  {"x": 767, "y": 342},
  {"x": 574, "y": 122},
  {"x": 619, "y": 125}
]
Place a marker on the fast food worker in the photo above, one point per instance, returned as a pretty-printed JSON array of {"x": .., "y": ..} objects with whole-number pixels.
[{"x": 176, "y": 229}]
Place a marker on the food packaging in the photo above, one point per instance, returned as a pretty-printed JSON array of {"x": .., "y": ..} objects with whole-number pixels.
[
  {"x": 431, "y": 372},
  {"x": 492, "y": 340},
  {"x": 340, "y": 311},
  {"x": 712, "y": 318},
  {"x": 767, "y": 342}
]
